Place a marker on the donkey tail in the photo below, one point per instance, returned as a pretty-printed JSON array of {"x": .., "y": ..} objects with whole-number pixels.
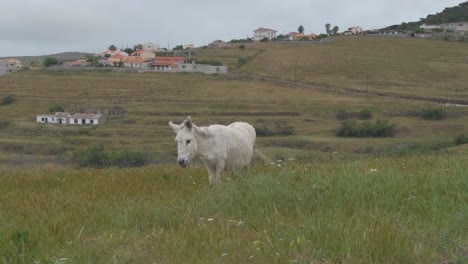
[{"x": 263, "y": 156}]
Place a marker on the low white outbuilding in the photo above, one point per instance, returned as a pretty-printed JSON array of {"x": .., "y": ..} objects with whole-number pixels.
[
  {"x": 63, "y": 118},
  {"x": 87, "y": 119}
]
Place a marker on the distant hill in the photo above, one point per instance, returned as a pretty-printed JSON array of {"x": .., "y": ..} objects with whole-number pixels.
[
  {"x": 448, "y": 15},
  {"x": 64, "y": 56}
]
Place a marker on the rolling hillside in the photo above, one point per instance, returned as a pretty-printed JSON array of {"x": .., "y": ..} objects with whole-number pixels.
[
  {"x": 394, "y": 79},
  {"x": 37, "y": 60},
  {"x": 325, "y": 199}
]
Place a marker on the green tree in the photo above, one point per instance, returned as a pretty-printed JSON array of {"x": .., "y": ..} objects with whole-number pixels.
[
  {"x": 49, "y": 61},
  {"x": 300, "y": 29},
  {"x": 327, "y": 28},
  {"x": 137, "y": 47},
  {"x": 178, "y": 47},
  {"x": 92, "y": 59},
  {"x": 404, "y": 26},
  {"x": 129, "y": 50},
  {"x": 112, "y": 47},
  {"x": 335, "y": 30}
]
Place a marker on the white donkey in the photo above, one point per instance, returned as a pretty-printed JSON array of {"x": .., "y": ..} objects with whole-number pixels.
[{"x": 218, "y": 146}]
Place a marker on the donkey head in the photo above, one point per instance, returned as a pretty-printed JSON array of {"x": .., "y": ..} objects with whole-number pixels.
[{"x": 187, "y": 147}]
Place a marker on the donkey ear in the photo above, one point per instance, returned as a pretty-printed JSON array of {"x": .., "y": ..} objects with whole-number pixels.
[
  {"x": 188, "y": 123},
  {"x": 175, "y": 127},
  {"x": 201, "y": 131}
]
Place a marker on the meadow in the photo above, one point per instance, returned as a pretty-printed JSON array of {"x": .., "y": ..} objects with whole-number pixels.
[{"x": 399, "y": 199}]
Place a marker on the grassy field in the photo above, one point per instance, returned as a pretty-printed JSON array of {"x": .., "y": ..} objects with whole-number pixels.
[
  {"x": 399, "y": 199},
  {"x": 387, "y": 210}
]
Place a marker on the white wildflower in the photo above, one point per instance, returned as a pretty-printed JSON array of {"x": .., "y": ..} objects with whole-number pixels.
[{"x": 210, "y": 219}]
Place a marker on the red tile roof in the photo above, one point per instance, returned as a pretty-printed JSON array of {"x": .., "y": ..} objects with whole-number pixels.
[
  {"x": 170, "y": 58},
  {"x": 133, "y": 59},
  {"x": 163, "y": 63}
]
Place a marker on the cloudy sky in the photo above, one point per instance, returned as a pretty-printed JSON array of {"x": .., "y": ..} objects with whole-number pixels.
[{"x": 39, "y": 27}]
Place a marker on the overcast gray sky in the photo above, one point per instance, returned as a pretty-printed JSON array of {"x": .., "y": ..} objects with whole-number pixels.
[{"x": 39, "y": 27}]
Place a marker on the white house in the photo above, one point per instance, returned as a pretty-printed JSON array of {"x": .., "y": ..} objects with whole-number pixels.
[
  {"x": 9, "y": 65},
  {"x": 261, "y": 33},
  {"x": 455, "y": 26},
  {"x": 356, "y": 30},
  {"x": 150, "y": 46},
  {"x": 429, "y": 27},
  {"x": 87, "y": 119},
  {"x": 63, "y": 118}
]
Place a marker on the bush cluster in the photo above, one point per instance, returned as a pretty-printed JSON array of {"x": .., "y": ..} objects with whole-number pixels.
[
  {"x": 7, "y": 100},
  {"x": 56, "y": 108},
  {"x": 281, "y": 129},
  {"x": 461, "y": 139},
  {"x": 431, "y": 113},
  {"x": 365, "y": 114},
  {"x": 4, "y": 124},
  {"x": 341, "y": 115},
  {"x": 242, "y": 61},
  {"x": 97, "y": 156},
  {"x": 381, "y": 128}
]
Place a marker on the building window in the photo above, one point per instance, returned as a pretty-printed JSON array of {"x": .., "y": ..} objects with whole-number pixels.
[
  {"x": 42, "y": 119},
  {"x": 75, "y": 121},
  {"x": 92, "y": 121}
]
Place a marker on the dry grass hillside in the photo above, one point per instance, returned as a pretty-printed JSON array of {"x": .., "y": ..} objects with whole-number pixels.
[
  {"x": 399, "y": 199},
  {"x": 262, "y": 92}
]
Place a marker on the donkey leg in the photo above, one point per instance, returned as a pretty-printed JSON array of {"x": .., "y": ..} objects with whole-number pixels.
[
  {"x": 219, "y": 170},
  {"x": 211, "y": 172}
]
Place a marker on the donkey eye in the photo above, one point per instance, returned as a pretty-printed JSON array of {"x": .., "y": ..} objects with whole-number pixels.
[{"x": 188, "y": 141}]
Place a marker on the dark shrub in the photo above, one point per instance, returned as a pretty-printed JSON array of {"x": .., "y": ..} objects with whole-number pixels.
[
  {"x": 241, "y": 61},
  {"x": 461, "y": 139},
  {"x": 432, "y": 113},
  {"x": 94, "y": 156},
  {"x": 129, "y": 159},
  {"x": 365, "y": 114},
  {"x": 264, "y": 131},
  {"x": 4, "y": 124},
  {"x": 97, "y": 156},
  {"x": 7, "y": 100},
  {"x": 341, "y": 115},
  {"x": 281, "y": 129},
  {"x": 366, "y": 129},
  {"x": 242, "y": 46},
  {"x": 56, "y": 108}
]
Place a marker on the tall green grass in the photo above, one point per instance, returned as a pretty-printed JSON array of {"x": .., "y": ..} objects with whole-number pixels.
[{"x": 392, "y": 210}]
